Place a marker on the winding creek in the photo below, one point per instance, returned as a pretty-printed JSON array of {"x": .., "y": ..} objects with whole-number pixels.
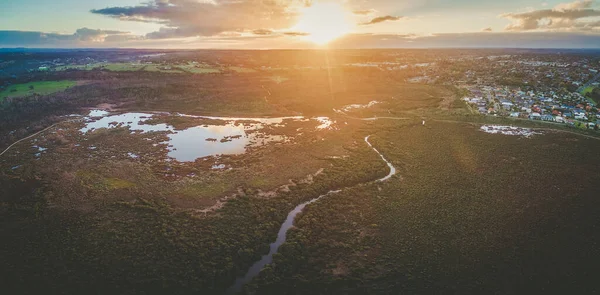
[{"x": 257, "y": 267}]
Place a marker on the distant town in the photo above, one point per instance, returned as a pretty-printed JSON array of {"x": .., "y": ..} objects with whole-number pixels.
[
  {"x": 545, "y": 85},
  {"x": 552, "y": 88}
]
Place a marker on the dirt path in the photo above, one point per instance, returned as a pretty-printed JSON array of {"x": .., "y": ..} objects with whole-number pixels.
[{"x": 28, "y": 137}]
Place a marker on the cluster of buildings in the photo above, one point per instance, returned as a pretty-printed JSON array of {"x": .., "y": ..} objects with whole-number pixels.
[{"x": 568, "y": 108}]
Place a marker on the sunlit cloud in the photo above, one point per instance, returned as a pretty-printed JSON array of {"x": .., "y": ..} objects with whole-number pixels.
[
  {"x": 310, "y": 23},
  {"x": 382, "y": 19},
  {"x": 189, "y": 18},
  {"x": 365, "y": 12},
  {"x": 564, "y": 16}
]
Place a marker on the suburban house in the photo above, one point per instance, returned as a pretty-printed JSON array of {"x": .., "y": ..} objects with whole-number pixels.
[{"x": 535, "y": 116}]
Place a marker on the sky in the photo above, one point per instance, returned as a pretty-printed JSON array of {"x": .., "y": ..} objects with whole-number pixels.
[{"x": 272, "y": 24}]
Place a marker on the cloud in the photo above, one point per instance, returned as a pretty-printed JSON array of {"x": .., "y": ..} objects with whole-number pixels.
[
  {"x": 565, "y": 16},
  {"x": 24, "y": 38},
  {"x": 471, "y": 40},
  {"x": 296, "y": 34},
  {"x": 486, "y": 29},
  {"x": 192, "y": 18},
  {"x": 352, "y": 41},
  {"x": 364, "y": 12},
  {"x": 381, "y": 19},
  {"x": 582, "y": 4},
  {"x": 80, "y": 37},
  {"x": 91, "y": 35},
  {"x": 262, "y": 32}
]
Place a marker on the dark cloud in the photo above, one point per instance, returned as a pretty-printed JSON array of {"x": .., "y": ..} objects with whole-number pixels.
[
  {"x": 564, "y": 16},
  {"x": 381, "y": 19},
  {"x": 486, "y": 29},
  {"x": 191, "y": 18},
  {"x": 80, "y": 37},
  {"x": 86, "y": 35},
  {"x": 24, "y": 38}
]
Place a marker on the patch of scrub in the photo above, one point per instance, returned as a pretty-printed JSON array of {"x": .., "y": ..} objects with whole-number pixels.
[
  {"x": 117, "y": 183},
  {"x": 508, "y": 130}
]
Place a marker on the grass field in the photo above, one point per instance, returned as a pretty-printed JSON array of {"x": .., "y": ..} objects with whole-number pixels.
[
  {"x": 40, "y": 88},
  {"x": 114, "y": 67},
  {"x": 123, "y": 67},
  {"x": 88, "y": 67},
  {"x": 198, "y": 70},
  {"x": 132, "y": 67},
  {"x": 587, "y": 90},
  {"x": 278, "y": 79},
  {"x": 160, "y": 68},
  {"x": 242, "y": 70}
]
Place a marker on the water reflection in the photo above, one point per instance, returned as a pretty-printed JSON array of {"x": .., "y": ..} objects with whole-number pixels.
[
  {"x": 201, "y": 141},
  {"x": 191, "y": 144}
]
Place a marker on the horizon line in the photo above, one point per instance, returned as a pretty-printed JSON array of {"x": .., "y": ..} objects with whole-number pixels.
[{"x": 300, "y": 49}]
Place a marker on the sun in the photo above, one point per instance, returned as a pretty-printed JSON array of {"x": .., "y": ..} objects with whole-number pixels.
[{"x": 323, "y": 22}]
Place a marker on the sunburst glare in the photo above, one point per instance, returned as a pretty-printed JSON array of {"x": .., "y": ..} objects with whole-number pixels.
[{"x": 324, "y": 22}]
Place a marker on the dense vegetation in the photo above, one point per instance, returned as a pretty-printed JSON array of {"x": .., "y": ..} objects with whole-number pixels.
[
  {"x": 468, "y": 212},
  {"x": 241, "y": 95},
  {"x": 472, "y": 213},
  {"x": 136, "y": 242}
]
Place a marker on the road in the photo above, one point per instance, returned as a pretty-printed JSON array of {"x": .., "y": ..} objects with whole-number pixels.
[{"x": 586, "y": 85}]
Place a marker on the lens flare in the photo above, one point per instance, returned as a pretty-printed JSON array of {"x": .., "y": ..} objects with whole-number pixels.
[{"x": 323, "y": 22}]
